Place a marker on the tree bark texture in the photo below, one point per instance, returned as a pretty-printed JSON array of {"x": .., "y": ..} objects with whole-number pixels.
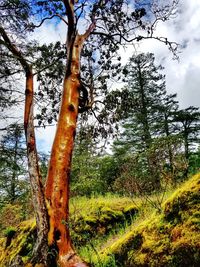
[
  {"x": 57, "y": 186},
  {"x": 52, "y": 207},
  {"x": 58, "y": 176},
  {"x": 41, "y": 246}
]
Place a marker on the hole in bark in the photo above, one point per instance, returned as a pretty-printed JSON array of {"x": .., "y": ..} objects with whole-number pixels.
[
  {"x": 57, "y": 235},
  {"x": 74, "y": 134},
  {"x": 71, "y": 107}
]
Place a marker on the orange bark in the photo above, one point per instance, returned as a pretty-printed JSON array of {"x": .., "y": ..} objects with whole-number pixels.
[{"x": 57, "y": 186}]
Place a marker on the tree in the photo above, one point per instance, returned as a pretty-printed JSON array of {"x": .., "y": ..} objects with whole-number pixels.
[
  {"x": 106, "y": 33},
  {"x": 188, "y": 126},
  {"x": 13, "y": 180},
  {"x": 147, "y": 87},
  {"x": 168, "y": 108},
  {"x": 85, "y": 175}
]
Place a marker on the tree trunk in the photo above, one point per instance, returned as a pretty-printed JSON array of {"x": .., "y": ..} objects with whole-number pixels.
[
  {"x": 167, "y": 132},
  {"x": 52, "y": 208},
  {"x": 57, "y": 185},
  {"x": 40, "y": 252},
  {"x": 186, "y": 144}
]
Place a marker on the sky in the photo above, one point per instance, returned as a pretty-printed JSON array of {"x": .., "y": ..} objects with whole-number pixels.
[{"x": 182, "y": 76}]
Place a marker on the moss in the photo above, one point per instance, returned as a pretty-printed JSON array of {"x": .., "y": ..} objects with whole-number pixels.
[
  {"x": 90, "y": 220},
  {"x": 169, "y": 239},
  {"x": 184, "y": 198},
  {"x": 100, "y": 221},
  {"x": 130, "y": 210},
  {"x": 20, "y": 246},
  {"x": 9, "y": 232},
  {"x": 108, "y": 215}
]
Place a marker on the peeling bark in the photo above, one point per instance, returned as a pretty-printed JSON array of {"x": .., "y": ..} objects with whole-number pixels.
[
  {"x": 57, "y": 186},
  {"x": 58, "y": 176},
  {"x": 52, "y": 207},
  {"x": 41, "y": 247},
  {"x": 40, "y": 252}
]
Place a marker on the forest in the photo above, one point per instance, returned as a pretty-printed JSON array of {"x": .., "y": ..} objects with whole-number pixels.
[{"x": 120, "y": 184}]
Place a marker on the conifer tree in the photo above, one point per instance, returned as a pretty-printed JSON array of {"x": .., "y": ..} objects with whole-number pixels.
[
  {"x": 189, "y": 128},
  {"x": 13, "y": 173},
  {"x": 146, "y": 85}
]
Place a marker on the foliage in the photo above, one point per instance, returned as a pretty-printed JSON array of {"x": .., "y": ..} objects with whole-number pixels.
[
  {"x": 85, "y": 174},
  {"x": 9, "y": 232},
  {"x": 167, "y": 239},
  {"x": 13, "y": 171},
  {"x": 156, "y": 138},
  {"x": 20, "y": 245},
  {"x": 104, "y": 37},
  {"x": 189, "y": 127},
  {"x": 194, "y": 162},
  {"x": 98, "y": 217},
  {"x": 11, "y": 215}
]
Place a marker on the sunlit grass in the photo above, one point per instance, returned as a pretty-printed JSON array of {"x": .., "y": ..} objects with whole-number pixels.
[{"x": 83, "y": 207}]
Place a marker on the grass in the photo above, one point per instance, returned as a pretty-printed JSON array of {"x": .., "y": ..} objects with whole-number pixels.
[
  {"x": 102, "y": 240},
  {"x": 113, "y": 231},
  {"x": 169, "y": 239}
]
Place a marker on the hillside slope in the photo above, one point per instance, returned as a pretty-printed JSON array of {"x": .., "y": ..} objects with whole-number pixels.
[
  {"x": 90, "y": 219},
  {"x": 169, "y": 239}
]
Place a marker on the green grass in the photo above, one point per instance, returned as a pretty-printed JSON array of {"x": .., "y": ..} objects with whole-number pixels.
[
  {"x": 91, "y": 248},
  {"x": 113, "y": 231},
  {"x": 94, "y": 220},
  {"x": 169, "y": 239}
]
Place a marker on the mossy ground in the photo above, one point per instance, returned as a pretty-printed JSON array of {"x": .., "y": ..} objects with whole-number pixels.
[
  {"x": 20, "y": 245},
  {"x": 95, "y": 218},
  {"x": 168, "y": 239},
  {"x": 90, "y": 219},
  {"x": 106, "y": 233}
]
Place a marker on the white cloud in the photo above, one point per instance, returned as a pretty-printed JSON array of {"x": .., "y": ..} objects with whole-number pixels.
[
  {"x": 50, "y": 32},
  {"x": 182, "y": 77},
  {"x": 45, "y": 138}
]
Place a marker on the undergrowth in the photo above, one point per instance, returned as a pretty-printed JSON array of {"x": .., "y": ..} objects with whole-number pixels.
[
  {"x": 113, "y": 231},
  {"x": 167, "y": 239}
]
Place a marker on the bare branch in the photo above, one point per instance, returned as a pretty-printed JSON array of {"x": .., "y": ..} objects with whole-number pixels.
[
  {"x": 16, "y": 52},
  {"x": 49, "y": 18}
]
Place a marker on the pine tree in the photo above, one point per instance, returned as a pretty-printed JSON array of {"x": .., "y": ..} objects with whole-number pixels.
[
  {"x": 146, "y": 87},
  {"x": 189, "y": 128},
  {"x": 109, "y": 24},
  {"x": 13, "y": 173}
]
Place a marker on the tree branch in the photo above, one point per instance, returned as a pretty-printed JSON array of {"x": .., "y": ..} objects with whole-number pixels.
[
  {"x": 13, "y": 49},
  {"x": 49, "y": 18},
  {"x": 69, "y": 5}
]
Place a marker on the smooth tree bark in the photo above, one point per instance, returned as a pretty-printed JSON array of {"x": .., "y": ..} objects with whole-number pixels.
[
  {"x": 57, "y": 184},
  {"x": 52, "y": 226}
]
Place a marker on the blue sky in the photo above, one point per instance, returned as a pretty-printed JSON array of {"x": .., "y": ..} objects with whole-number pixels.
[{"x": 182, "y": 77}]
